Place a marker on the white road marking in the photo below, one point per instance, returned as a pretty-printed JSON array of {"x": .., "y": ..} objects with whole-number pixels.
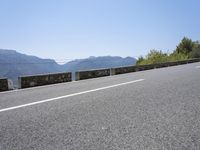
[
  {"x": 198, "y": 67},
  {"x": 70, "y": 95}
]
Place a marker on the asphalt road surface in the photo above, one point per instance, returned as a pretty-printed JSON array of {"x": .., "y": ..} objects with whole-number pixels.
[{"x": 155, "y": 109}]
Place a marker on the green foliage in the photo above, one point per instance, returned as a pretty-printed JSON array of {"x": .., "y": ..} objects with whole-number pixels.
[
  {"x": 189, "y": 47},
  {"x": 155, "y": 56},
  {"x": 140, "y": 59},
  {"x": 186, "y": 49},
  {"x": 195, "y": 50},
  {"x": 177, "y": 56}
]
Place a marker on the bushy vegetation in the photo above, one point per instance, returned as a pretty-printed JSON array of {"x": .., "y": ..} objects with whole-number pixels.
[{"x": 186, "y": 49}]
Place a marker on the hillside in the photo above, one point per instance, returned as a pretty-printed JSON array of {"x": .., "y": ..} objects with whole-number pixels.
[{"x": 14, "y": 64}]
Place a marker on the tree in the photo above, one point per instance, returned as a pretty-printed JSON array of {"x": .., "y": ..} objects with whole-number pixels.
[{"x": 185, "y": 46}]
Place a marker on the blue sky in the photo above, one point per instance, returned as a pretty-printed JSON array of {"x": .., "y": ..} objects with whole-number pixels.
[{"x": 70, "y": 29}]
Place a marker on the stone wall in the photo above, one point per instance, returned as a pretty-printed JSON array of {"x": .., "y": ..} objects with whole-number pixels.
[
  {"x": 3, "y": 84},
  {"x": 121, "y": 70},
  {"x": 81, "y": 75},
  {"x": 128, "y": 69},
  {"x": 46, "y": 79}
]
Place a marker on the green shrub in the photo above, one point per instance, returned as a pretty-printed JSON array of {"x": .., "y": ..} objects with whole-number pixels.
[
  {"x": 195, "y": 53},
  {"x": 177, "y": 57}
]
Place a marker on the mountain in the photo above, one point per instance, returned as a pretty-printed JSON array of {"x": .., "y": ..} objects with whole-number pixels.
[
  {"x": 99, "y": 62},
  {"x": 14, "y": 64}
]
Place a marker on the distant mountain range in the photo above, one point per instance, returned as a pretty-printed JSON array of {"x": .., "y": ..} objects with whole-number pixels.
[
  {"x": 14, "y": 64},
  {"x": 99, "y": 62}
]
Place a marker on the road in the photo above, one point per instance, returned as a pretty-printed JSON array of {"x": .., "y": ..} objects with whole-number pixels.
[{"x": 154, "y": 109}]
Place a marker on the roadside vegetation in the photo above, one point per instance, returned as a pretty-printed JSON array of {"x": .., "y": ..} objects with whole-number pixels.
[{"x": 186, "y": 49}]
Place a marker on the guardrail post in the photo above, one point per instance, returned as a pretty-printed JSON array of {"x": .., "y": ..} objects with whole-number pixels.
[
  {"x": 112, "y": 71},
  {"x": 77, "y": 76}
]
